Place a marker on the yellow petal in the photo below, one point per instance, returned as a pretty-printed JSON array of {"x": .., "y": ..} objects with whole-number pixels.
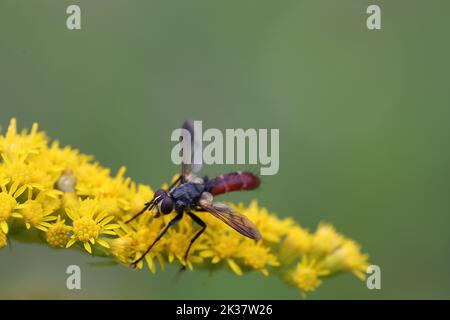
[
  {"x": 87, "y": 246},
  {"x": 207, "y": 253},
  {"x": 106, "y": 220},
  {"x": 4, "y": 227},
  {"x": 151, "y": 265},
  {"x": 125, "y": 227},
  {"x": 111, "y": 226},
  {"x": 216, "y": 259},
  {"x": 71, "y": 214},
  {"x": 161, "y": 262},
  {"x": 46, "y": 224},
  {"x": 50, "y": 218},
  {"x": 103, "y": 243},
  {"x": 42, "y": 228},
  {"x": 13, "y": 188},
  {"x": 265, "y": 272},
  {"x": 112, "y": 233},
  {"x": 100, "y": 217},
  {"x": 235, "y": 267},
  {"x": 3, "y": 183},
  {"x": 71, "y": 242},
  {"x": 19, "y": 192}
]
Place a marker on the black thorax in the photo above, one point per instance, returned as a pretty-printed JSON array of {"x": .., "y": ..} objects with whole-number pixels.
[{"x": 186, "y": 195}]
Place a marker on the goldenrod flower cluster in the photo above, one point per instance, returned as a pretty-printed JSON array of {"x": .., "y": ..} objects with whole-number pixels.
[{"x": 66, "y": 199}]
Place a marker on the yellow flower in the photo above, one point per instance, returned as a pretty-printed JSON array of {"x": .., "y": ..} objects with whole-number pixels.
[
  {"x": 3, "y": 239},
  {"x": 325, "y": 240},
  {"x": 64, "y": 159},
  {"x": 89, "y": 224},
  {"x": 348, "y": 257},
  {"x": 224, "y": 246},
  {"x": 135, "y": 238},
  {"x": 257, "y": 256},
  {"x": 113, "y": 192},
  {"x": 122, "y": 249},
  {"x": 8, "y": 202},
  {"x": 14, "y": 144},
  {"x": 138, "y": 197},
  {"x": 37, "y": 212},
  {"x": 271, "y": 227},
  {"x": 23, "y": 172},
  {"x": 90, "y": 178},
  {"x": 57, "y": 234},
  {"x": 298, "y": 241},
  {"x": 72, "y": 199},
  {"x": 306, "y": 275}
]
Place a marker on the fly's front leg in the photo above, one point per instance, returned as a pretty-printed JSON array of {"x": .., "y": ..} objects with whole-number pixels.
[
  {"x": 146, "y": 207},
  {"x": 201, "y": 224}
]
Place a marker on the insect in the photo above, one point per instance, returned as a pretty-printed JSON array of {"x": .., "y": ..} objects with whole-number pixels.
[{"x": 190, "y": 193}]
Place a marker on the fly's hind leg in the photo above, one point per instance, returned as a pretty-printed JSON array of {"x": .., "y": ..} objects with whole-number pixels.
[{"x": 203, "y": 227}]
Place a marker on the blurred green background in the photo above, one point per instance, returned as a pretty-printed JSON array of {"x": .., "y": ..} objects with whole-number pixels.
[{"x": 363, "y": 118}]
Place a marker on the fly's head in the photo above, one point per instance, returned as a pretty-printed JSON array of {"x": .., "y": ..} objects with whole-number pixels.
[{"x": 163, "y": 203}]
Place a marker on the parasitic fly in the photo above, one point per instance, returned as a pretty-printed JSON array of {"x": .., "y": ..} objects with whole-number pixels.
[{"x": 190, "y": 193}]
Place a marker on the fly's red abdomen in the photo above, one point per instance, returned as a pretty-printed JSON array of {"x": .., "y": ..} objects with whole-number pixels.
[{"x": 234, "y": 181}]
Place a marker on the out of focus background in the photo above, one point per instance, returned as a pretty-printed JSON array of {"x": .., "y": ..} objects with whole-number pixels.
[{"x": 363, "y": 118}]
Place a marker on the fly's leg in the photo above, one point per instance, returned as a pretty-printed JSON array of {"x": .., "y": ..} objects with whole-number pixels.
[
  {"x": 173, "y": 185},
  {"x": 170, "y": 224},
  {"x": 147, "y": 206},
  {"x": 201, "y": 224}
]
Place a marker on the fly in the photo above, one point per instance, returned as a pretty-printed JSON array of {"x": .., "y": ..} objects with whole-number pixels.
[{"x": 190, "y": 193}]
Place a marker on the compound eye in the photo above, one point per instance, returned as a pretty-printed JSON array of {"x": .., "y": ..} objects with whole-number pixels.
[
  {"x": 159, "y": 193},
  {"x": 166, "y": 205}
]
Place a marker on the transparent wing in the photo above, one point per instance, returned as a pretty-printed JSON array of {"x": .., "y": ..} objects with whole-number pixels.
[
  {"x": 234, "y": 219},
  {"x": 191, "y": 168}
]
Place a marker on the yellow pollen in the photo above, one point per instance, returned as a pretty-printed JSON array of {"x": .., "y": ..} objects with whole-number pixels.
[
  {"x": 306, "y": 278},
  {"x": 258, "y": 257},
  {"x": 57, "y": 235},
  {"x": 85, "y": 229}
]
